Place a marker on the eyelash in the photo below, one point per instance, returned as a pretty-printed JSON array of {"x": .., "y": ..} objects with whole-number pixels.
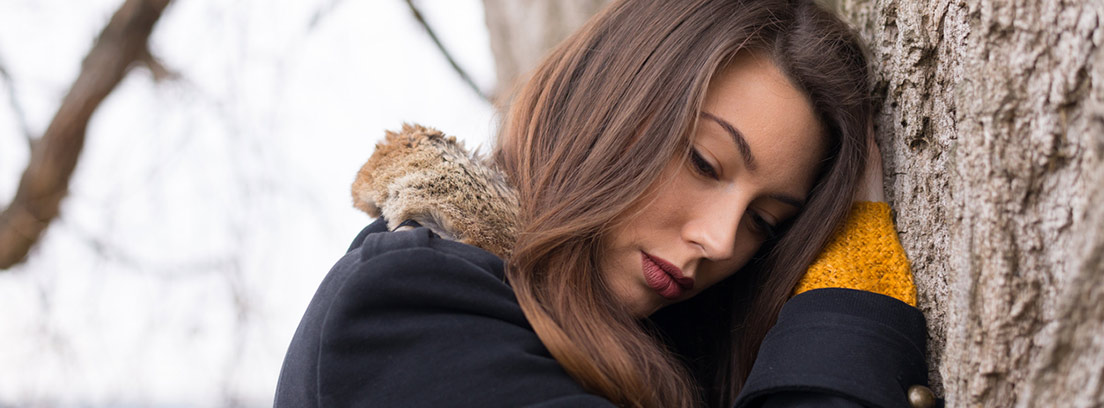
[
  {"x": 759, "y": 224},
  {"x": 764, "y": 228},
  {"x": 702, "y": 166}
]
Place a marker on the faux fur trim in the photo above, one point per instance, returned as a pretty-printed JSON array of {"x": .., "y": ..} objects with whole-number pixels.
[{"x": 420, "y": 174}]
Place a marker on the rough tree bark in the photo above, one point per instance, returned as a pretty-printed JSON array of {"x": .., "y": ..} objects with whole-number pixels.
[
  {"x": 992, "y": 129},
  {"x": 45, "y": 181}
]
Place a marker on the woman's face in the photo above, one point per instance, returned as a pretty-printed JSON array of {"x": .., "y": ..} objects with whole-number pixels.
[{"x": 752, "y": 163}]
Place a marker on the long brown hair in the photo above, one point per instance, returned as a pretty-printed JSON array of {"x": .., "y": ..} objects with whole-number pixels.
[{"x": 591, "y": 132}]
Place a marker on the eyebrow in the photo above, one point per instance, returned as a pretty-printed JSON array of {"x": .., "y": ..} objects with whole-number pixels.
[
  {"x": 741, "y": 143},
  {"x": 749, "y": 159}
]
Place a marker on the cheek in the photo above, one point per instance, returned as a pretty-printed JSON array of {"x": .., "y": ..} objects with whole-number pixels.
[
  {"x": 715, "y": 272},
  {"x": 660, "y": 209}
]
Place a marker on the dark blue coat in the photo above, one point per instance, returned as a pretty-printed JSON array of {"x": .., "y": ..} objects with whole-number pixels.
[{"x": 407, "y": 319}]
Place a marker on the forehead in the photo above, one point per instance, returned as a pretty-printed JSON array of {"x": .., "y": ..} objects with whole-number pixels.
[{"x": 775, "y": 118}]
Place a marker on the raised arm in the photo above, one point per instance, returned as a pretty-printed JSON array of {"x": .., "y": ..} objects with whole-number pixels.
[{"x": 851, "y": 336}]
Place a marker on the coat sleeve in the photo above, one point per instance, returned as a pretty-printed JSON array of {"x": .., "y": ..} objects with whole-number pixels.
[
  {"x": 839, "y": 348},
  {"x": 422, "y": 323}
]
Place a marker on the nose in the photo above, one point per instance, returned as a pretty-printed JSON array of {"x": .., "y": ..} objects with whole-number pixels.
[{"x": 713, "y": 225}]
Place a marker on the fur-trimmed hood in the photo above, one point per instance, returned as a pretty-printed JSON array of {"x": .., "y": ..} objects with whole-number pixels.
[{"x": 422, "y": 175}]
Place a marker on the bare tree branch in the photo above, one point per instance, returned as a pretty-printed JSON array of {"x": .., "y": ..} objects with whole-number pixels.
[
  {"x": 322, "y": 13},
  {"x": 448, "y": 56},
  {"x": 45, "y": 181},
  {"x": 156, "y": 67},
  {"x": 17, "y": 108},
  {"x": 110, "y": 251}
]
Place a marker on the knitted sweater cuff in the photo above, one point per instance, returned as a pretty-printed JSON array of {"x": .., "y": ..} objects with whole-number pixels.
[{"x": 864, "y": 254}]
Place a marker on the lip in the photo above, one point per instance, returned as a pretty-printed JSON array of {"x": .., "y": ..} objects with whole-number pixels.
[{"x": 664, "y": 277}]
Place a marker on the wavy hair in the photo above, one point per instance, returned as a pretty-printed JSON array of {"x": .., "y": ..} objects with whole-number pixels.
[{"x": 589, "y": 134}]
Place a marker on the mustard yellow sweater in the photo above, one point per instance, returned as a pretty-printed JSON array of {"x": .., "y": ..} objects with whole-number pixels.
[{"x": 864, "y": 254}]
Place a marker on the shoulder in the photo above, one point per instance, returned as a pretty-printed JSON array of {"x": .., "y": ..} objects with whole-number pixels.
[
  {"x": 410, "y": 319},
  {"x": 389, "y": 272},
  {"x": 376, "y": 247}
]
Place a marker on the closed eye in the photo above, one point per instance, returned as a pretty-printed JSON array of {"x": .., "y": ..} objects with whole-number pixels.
[
  {"x": 762, "y": 227},
  {"x": 701, "y": 165}
]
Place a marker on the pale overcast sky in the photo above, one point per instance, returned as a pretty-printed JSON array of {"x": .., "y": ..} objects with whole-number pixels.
[{"x": 206, "y": 209}]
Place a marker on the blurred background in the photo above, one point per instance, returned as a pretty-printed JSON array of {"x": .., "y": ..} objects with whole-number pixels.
[
  {"x": 174, "y": 178},
  {"x": 209, "y": 191}
]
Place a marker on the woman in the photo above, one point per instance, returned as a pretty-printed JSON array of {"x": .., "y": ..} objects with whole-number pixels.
[{"x": 659, "y": 188}]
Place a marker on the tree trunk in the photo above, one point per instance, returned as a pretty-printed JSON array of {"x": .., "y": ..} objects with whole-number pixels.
[
  {"x": 522, "y": 32},
  {"x": 992, "y": 130}
]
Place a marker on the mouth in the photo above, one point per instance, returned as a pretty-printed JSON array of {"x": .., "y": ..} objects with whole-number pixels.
[{"x": 665, "y": 278}]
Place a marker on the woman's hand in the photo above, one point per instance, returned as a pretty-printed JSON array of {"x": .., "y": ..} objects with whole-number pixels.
[
  {"x": 871, "y": 184},
  {"x": 864, "y": 253}
]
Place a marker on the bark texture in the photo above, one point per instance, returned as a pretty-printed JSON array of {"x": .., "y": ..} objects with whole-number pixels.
[
  {"x": 992, "y": 131},
  {"x": 54, "y": 156},
  {"x": 522, "y": 32}
]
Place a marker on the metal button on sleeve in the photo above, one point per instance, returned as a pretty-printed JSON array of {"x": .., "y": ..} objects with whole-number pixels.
[{"x": 920, "y": 396}]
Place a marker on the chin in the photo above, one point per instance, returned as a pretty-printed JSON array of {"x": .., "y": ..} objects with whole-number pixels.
[
  {"x": 646, "y": 307},
  {"x": 640, "y": 306},
  {"x": 650, "y": 312}
]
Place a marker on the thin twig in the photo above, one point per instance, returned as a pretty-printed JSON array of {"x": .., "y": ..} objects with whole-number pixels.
[
  {"x": 17, "y": 108},
  {"x": 441, "y": 47},
  {"x": 322, "y": 13},
  {"x": 121, "y": 257}
]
